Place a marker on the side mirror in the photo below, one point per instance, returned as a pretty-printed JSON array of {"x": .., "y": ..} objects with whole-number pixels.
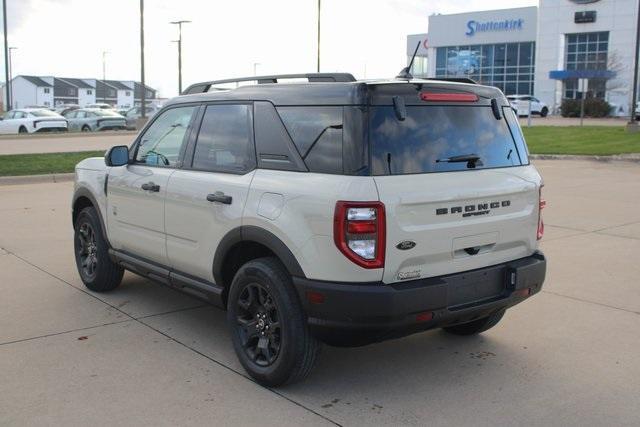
[{"x": 117, "y": 156}]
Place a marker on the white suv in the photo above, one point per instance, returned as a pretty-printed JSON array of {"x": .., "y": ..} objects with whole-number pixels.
[
  {"x": 333, "y": 210},
  {"x": 522, "y": 103}
]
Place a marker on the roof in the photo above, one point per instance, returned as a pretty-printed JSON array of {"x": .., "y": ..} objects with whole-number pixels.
[
  {"x": 118, "y": 85},
  {"x": 36, "y": 81},
  {"x": 77, "y": 82},
  {"x": 376, "y": 92}
]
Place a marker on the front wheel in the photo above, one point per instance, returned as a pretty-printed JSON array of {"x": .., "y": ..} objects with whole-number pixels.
[
  {"x": 23, "y": 130},
  {"x": 96, "y": 269},
  {"x": 477, "y": 326},
  {"x": 268, "y": 326},
  {"x": 86, "y": 128},
  {"x": 544, "y": 112}
]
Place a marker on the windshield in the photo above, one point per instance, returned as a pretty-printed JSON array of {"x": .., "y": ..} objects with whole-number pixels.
[
  {"x": 442, "y": 139},
  {"x": 44, "y": 113}
]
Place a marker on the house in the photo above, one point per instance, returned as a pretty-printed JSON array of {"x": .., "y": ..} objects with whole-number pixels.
[
  {"x": 30, "y": 90},
  {"x": 86, "y": 91},
  {"x": 49, "y": 91}
]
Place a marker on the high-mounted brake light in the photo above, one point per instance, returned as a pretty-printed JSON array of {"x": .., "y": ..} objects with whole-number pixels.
[
  {"x": 359, "y": 232},
  {"x": 541, "y": 204},
  {"x": 448, "y": 97}
]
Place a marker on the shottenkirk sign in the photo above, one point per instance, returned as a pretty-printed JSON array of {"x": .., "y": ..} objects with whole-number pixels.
[{"x": 474, "y": 27}]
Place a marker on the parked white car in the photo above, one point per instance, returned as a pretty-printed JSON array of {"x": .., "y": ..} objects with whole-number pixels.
[
  {"x": 520, "y": 103},
  {"x": 31, "y": 120}
]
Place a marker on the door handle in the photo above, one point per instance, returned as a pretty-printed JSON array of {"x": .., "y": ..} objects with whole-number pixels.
[
  {"x": 150, "y": 186},
  {"x": 219, "y": 197}
]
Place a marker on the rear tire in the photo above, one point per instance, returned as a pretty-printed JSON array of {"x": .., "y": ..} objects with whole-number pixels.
[
  {"x": 268, "y": 326},
  {"x": 23, "y": 130},
  {"x": 544, "y": 112},
  {"x": 86, "y": 128},
  {"x": 95, "y": 267},
  {"x": 477, "y": 326}
]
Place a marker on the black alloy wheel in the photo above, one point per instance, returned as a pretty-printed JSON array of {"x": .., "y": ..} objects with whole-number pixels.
[
  {"x": 87, "y": 250},
  {"x": 258, "y": 324}
]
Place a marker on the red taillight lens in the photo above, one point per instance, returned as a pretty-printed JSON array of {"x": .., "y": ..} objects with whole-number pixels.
[
  {"x": 541, "y": 204},
  {"x": 359, "y": 232},
  {"x": 448, "y": 97}
]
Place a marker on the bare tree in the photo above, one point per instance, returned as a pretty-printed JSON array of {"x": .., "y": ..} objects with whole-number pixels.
[{"x": 616, "y": 84}]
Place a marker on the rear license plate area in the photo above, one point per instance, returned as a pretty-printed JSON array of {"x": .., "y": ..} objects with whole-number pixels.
[{"x": 474, "y": 287}]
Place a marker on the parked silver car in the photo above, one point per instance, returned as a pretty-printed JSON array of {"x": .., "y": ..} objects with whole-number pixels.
[
  {"x": 134, "y": 114},
  {"x": 94, "y": 119}
]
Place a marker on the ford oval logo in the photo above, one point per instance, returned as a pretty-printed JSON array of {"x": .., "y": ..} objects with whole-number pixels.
[{"x": 406, "y": 244}]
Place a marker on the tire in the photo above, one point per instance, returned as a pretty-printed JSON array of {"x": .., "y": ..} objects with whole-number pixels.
[
  {"x": 262, "y": 297},
  {"x": 23, "y": 130},
  {"x": 95, "y": 267},
  {"x": 477, "y": 326},
  {"x": 86, "y": 128},
  {"x": 544, "y": 112}
]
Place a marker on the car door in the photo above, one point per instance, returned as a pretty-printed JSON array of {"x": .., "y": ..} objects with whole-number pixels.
[
  {"x": 71, "y": 120},
  {"x": 206, "y": 199},
  {"x": 136, "y": 192}
]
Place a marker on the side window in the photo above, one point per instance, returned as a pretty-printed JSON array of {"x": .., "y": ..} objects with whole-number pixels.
[
  {"x": 225, "y": 142},
  {"x": 71, "y": 115},
  {"x": 161, "y": 143},
  {"x": 81, "y": 114},
  {"x": 317, "y": 133},
  {"x": 19, "y": 115},
  {"x": 516, "y": 132},
  {"x": 9, "y": 115}
]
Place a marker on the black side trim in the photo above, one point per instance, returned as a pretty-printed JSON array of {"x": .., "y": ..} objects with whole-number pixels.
[
  {"x": 159, "y": 273},
  {"x": 84, "y": 192},
  {"x": 250, "y": 233}
]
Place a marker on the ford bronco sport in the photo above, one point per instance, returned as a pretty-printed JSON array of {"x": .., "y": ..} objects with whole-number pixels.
[{"x": 329, "y": 210}]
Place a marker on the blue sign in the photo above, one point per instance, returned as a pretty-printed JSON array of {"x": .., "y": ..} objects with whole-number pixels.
[{"x": 503, "y": 25}]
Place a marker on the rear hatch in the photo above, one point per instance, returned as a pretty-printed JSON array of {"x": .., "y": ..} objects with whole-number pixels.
[{"x": 454, "y": 176}]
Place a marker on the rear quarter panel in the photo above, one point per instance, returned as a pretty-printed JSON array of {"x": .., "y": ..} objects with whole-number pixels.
[{"x": 298, "y": 208}]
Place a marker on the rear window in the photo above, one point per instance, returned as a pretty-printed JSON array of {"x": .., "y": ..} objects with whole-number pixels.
[{"x": 432, "y": 136}]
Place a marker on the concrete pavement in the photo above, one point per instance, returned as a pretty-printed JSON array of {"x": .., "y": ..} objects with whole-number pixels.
[{"x": 148, "y": 355}]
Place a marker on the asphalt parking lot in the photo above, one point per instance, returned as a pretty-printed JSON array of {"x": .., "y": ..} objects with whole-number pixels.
[{"x": 148, "y": 355}]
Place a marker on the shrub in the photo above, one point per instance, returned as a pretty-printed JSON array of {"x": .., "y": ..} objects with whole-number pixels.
[{"x": 593, "y": 107}]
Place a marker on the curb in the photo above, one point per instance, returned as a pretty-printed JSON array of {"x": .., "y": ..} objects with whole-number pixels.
[
  {"x": 634, "y": 158},
  {"x": 36, "y": 179}
]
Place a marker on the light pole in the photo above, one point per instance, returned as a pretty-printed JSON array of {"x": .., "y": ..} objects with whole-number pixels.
[
  {"x": 104, "y": 76},
  {"x": 143, "y": 110},
  {"x": 318, "y": 53},
  {"x": 255, "y": 68},
  {"x": 179, "y": 24},
  {"x": 6, "y": 52},
  {"x": 9, "y": 82},
  {"x": 633, "y": 124}
]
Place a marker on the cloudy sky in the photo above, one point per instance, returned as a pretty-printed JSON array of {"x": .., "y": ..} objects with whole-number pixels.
[{"x": 225, "y": 39}]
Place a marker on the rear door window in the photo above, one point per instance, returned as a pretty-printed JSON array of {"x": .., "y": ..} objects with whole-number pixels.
[
  {"x": 431, "y": 137},
  {"x": 317, "y": 134},
  {"x": 225, "y": 140}
]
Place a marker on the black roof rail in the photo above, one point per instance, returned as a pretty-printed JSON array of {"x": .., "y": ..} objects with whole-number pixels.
[
  {"x": 454, "y": 79},
  {"x": 311, "y": 77}
]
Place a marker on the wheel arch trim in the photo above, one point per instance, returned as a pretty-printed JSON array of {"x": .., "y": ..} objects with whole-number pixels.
[
  {"x": 85, "y": 192},
  {"x": 250, "y": 233}
]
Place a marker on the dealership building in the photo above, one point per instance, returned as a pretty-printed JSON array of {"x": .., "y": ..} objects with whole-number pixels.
[{"x": 541, "y": 51}]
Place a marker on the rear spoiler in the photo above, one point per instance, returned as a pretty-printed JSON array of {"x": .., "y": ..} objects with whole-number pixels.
[
  {"x": 454, "y": 79},
  {"x": 311, "y": 77}
]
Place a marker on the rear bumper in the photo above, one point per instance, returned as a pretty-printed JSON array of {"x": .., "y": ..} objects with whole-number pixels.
[{"x": 358, "y": 313}]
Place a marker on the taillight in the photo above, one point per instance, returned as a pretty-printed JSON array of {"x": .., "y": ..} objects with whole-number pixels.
[
  {"x": 359, "y": 232},
  {"x": 541, "y": 204}
]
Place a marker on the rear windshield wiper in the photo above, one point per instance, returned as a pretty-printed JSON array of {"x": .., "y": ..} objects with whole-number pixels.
[{"x": 470, "y": 159}]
